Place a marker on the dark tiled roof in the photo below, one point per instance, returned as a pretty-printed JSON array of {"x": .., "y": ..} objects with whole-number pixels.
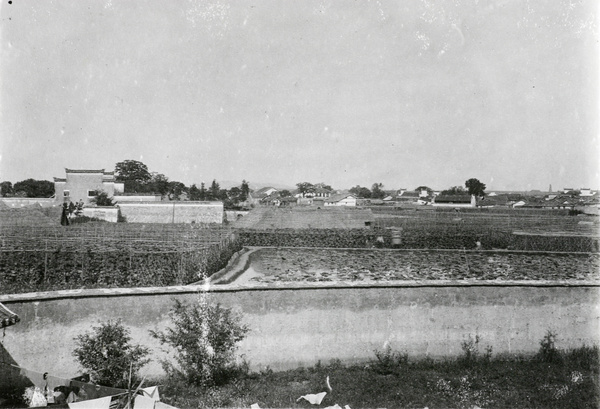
[
  {"x": 85, "y": 171},
  {"x": 453, "y": 199},
  {"x": 7, "y": 317},
  {"x": 338, "y": 197},
  {"x": 60, "y": 179},
  {"x": 410, "y": 194}
]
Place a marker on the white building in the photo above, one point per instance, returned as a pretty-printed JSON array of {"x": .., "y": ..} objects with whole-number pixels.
[{"x": 346, "y": 199}]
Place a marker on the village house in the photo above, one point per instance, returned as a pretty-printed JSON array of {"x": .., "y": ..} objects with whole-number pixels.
[
  {"x": 85, "y": 184},
  {"x": 343, "y": 199},
  {"x": 454, "y": 201}
]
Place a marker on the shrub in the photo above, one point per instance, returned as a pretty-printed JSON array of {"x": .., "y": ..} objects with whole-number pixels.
[
  {"x": 389, "y": 361},
  {"x": 548, "y": 351},
  {"x": 470, "y": 348},
  {"x": 204, "y": 337},
  {"x": 107, "y": 353}
]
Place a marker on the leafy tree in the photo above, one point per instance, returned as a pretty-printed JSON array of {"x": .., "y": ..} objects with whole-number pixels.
[
  {"x": 235, "y": 193},
  {"x": 6, "y": 188},
  {"x": 377, "y": 191},
  {"x": 362, "y": 192},
  {"x": 475, "y": 187},
  {"x": 203, "y": 193},
  {"x": 454, "y": 191},
  {"x": 176, "y": 189},
  {"x": 34, "y": 188},
  {"x": 214, "y": 192},
  {"x": 134, "y": 175},
  {"x": 204, "y": 337},
  {"x": 427, "y": 188},
  {"x": 305, "y": 187},
  {"x": 102, "y": 199},
  {"x": 194, "y": 192},
  {"x": 245, "y": 190},
  {"x": 285, "y": 193},
  {"x": 158, "y": 183},
  {"x": 107, "y": 353},
  {"x": 324, "y": 186}
]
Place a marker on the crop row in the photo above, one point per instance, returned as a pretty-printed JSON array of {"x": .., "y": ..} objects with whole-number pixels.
[
  {"x": 289, "y": 265},
  {"x": 28, "y": 271},
  {"x": 415, "y": 238}
]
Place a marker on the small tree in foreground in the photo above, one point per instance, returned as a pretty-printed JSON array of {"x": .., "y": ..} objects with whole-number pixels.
[
  {"x": 204, "y": 337},
  {"x": 107, "y": 353}
]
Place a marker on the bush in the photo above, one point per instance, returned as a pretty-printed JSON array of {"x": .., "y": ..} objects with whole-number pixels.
[
  {"x": 204, "y": 337},
  {"x": 106, "y": 352},
  {"x": 390, "y": 361},
  {"x": 471, "y": 354},
  {"x": 548, "y": 351}
]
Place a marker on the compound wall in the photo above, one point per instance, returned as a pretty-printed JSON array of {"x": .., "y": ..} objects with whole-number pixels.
[
  {"x": 173, "y": 212},
  {"x": 301, "y": 326}
]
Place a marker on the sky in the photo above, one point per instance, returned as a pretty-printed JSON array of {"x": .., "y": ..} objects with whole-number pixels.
[{"x": 343, "y": 92}]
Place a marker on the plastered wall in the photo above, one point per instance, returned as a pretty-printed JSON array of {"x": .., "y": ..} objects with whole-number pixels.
[{"x": 299, "y": 327}]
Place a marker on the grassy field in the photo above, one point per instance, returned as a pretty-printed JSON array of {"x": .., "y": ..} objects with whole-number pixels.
[{"x": 568, "y": 380}]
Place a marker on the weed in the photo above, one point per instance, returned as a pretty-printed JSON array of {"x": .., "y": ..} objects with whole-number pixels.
[
  {"x": 390, "y": 361},
  {"x": 471, "y": 354},
  {"x": 548, "y": 351}
]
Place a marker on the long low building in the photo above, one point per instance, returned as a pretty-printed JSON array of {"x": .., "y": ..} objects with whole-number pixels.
[{"x": 173, "y": 212}]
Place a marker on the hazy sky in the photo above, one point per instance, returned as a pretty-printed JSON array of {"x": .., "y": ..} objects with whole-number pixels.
[{"x": 344, "y": 92}]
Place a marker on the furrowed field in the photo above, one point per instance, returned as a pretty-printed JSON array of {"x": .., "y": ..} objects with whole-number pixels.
[
  {"x": 96, "y": 254},
  {"x": 100, "y": 255}
]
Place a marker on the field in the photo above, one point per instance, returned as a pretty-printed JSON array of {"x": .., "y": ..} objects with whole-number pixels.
[
  {"x": 95, "y": 255},
  {"x": 546, "y": 222},
  {"x": 430, "y": 228},
  {"x": 332, "y": 265}
]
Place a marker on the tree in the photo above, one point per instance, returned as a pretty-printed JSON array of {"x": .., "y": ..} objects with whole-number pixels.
[
  {"x": 159, "y": 183},
  {"x": 377, "y": 191},
  {"x": 454, "y": 191},
  {"x": 34, "y": 188},
  {"x": 102, "y": 199},
  {"x": 203, "y": 194},
  {"x": 428, "y": 189},
  {"x": 285, "y": 193},
  {"x": 134, "y": 175},
  {"x": 214, "y": 191},
  {"x": 245, "y": 191},
  {"x": 305, "y": 187},
  {"x": 6, "y": 188},
  {"x": 235, "y": 193},
  {"x": 324, "y": 186},
  {"x": 204, "y": 337},
  {"x": 194, "y": 192},
  {"x": 176, "y": 189},
  {"x": 107, "y": 353},
  {"x": 362, "y": 192},
  {"x": 475, "y": 187}
]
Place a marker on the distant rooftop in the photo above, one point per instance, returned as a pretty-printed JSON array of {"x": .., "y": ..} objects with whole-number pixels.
[{"x": 102, "y": 171}]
